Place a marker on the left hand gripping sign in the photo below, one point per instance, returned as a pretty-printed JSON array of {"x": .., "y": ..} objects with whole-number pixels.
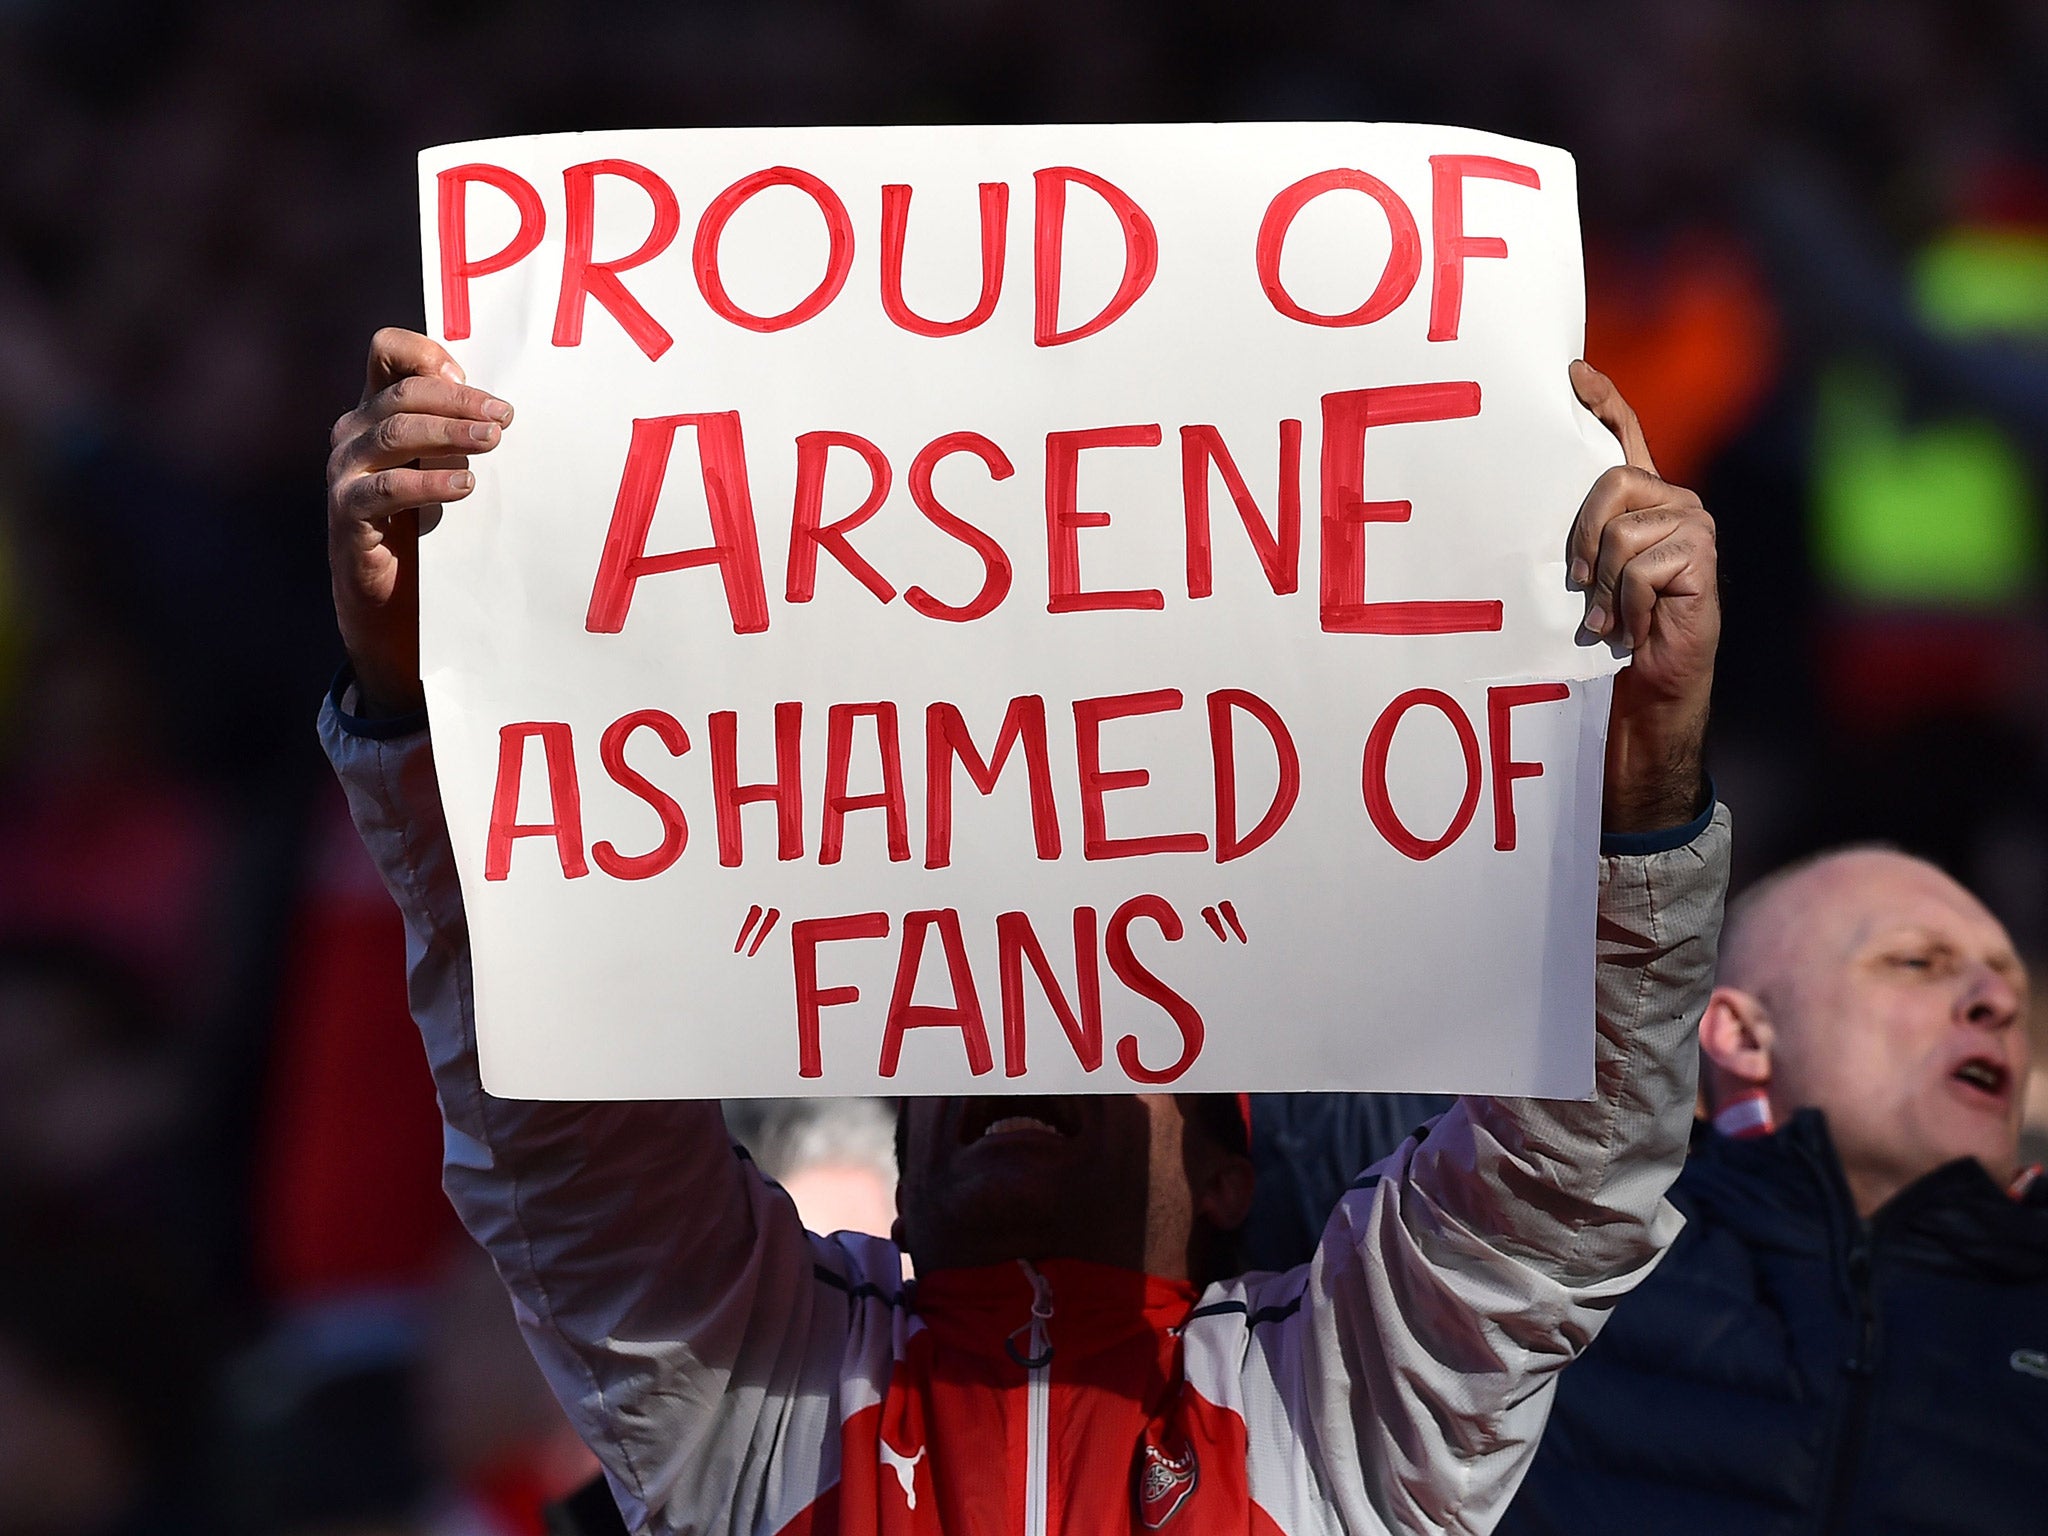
[{"x": 1057, "y": 609}]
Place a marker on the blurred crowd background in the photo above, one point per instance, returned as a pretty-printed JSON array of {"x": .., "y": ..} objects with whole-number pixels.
[{"x": 231, "y": 1298}]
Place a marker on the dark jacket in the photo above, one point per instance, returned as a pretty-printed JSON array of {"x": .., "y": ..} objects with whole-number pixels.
[{"x": 1791, "y": 1368}]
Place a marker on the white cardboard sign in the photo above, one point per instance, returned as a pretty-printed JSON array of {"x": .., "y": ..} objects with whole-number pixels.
[{"x": 1018, "y": 609}]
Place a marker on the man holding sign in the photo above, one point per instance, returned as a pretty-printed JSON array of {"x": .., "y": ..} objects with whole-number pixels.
[{"x": 1073, "y": 1356}]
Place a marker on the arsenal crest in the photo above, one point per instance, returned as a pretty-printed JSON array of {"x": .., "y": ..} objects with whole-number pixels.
[{"x": 1165, "y": 1483}]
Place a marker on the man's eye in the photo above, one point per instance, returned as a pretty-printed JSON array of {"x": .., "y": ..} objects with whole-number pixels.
[{"x": 1914, "y": 962}]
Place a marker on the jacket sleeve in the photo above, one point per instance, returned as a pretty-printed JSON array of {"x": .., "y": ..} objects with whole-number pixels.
[
  {"x": 1461, "y": 1273},
  {"x": 666, "y": 1289}
]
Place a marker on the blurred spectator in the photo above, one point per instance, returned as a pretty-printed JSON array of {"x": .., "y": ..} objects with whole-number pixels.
[
  {"x": 104, "y": 1395},
  {"x": 348, "y": 1173},
  {"x": 835, "y": 1157},
  {"x": 1848, "y": 1333},
  {"x": 98, "y": 842},
  {"x": 427, "y": 1417},
  {"x": 1900, "y": 215},
  {"x": 91, "y": 1100},
  {"x": 500, "y": 1445},
  {"x": 316, "y": 1444}
]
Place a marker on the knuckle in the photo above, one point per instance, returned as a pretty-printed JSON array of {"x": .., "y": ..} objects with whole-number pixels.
[
  {"x": 1629, "y": 545},
  {"x": 1679, "y": 553},
  {"x": 346, "y": 499},
  {"x": 1632, "y": 532}
]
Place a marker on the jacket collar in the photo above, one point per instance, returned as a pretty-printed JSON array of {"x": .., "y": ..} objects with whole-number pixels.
[
  {"x": 1788, "y": 1189},
  {"x": 1093, "y": 1306}
]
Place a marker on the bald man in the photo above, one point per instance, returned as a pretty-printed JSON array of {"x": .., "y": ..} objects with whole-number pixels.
[
  {"x": 1873, "y": 988},
  {"x": 1851, "y": 1334}
]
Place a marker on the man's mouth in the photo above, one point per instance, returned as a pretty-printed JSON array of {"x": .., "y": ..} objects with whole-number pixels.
[
  {"x": 1017, "y": 1115},
  {"x": 1984, "y": 1076}
]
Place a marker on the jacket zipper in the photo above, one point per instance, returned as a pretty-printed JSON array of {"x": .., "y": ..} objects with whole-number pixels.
[
  {"x": 1861, "y": 1368},
  {"x": 1038, "y": 1407}
]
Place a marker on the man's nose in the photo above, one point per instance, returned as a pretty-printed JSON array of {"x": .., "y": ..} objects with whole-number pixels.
[{"x": 1991, "y": 1001}]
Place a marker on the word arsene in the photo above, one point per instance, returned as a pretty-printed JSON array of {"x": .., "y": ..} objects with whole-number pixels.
[
  {"x": 584, "y": 276},
  {"x": 735, "y": 546}
]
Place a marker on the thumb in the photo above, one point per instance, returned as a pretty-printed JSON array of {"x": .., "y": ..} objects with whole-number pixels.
[{"x": 1597, "y": 393}]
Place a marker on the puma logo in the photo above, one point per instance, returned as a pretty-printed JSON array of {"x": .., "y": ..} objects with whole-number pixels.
[{"x": 905, "y": 1468}]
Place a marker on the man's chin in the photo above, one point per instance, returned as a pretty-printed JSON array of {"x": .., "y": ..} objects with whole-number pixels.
[
  {"x": 1026, "y": 1203},
  {"x": 1029, "y": 1187}
]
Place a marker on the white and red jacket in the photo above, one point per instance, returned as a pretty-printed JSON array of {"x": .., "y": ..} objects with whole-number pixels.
[{"x": 738, "y": 1374}]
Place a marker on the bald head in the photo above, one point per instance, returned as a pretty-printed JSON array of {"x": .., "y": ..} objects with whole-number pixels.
[
  {"x": 1769, "y": 922},
  {"x": 1873, "y": 987}
]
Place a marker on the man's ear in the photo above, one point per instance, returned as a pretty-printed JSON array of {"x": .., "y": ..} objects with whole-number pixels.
[
  {"x": 1736, "y": 1036},
  {"x": 1225, "y": 1200}
]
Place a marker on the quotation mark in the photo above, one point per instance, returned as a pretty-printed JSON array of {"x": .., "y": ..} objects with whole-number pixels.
[
  {"x": 1229, "y": 915},
  {"x": 753, "y": 917}
]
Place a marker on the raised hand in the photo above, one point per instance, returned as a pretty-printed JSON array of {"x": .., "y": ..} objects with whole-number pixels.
[
  {"x": 415, "y": 409},
  {"x": 1643, "y": 550}
]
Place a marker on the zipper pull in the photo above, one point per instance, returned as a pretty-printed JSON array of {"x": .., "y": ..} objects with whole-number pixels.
[{"x": 1038, "y": 1347}]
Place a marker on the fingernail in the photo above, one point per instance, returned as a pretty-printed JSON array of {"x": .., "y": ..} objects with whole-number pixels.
[
  {"x": 1580, "y": 574},
  {"x": 452, "y": 370},
  {"x": 482, "y": 432},
  {"x": 1596, "y": 620},
  {"x": 498, "y": 410},
  {"x": 462, "y": 480}
]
